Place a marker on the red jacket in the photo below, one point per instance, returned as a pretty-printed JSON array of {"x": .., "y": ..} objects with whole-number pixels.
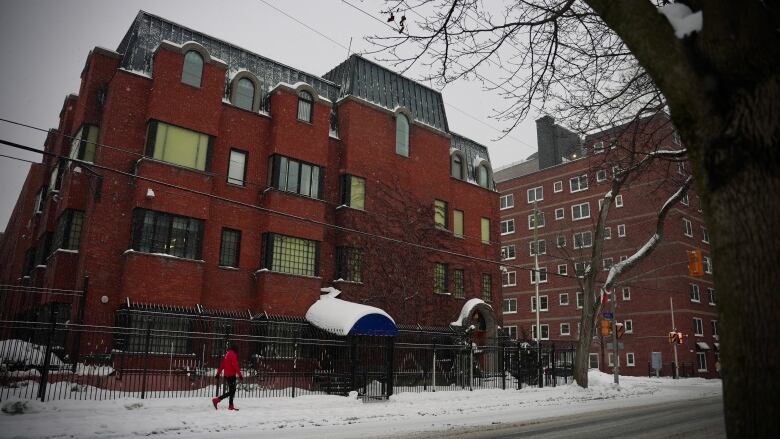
[{"x": 230, "y": 365}]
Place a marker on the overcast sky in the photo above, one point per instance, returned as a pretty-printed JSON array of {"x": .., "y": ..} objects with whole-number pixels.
[{"x": 44, "y": 45}]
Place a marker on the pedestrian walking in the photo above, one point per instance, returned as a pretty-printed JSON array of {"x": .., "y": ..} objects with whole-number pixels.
[{"x": 232, "y": 371}]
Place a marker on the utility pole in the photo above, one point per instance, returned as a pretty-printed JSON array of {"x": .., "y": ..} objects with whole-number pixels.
[
  {"x": 674, "y": 328},
  {"x": 615, "y": 347},
  {"x": 536, "y": 293}
]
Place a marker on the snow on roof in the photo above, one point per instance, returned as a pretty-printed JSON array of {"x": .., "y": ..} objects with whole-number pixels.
[
  {"x": 683, "y": 20},
  {"x": 468, "y": 307},
  {"x": 339, "y": 316}
]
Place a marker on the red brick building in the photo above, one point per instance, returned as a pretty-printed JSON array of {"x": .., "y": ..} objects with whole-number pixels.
[
  {"x": 215, "y": 178},
  {"x": 567, "y": 179}
]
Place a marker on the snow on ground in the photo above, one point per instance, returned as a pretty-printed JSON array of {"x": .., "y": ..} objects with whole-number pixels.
[{"x": 334, "y": 416}]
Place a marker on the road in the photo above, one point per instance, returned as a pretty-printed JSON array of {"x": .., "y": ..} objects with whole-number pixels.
[{"x": 695, "y": 418}]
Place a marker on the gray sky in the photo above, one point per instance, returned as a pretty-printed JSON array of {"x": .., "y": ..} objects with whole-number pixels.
[{"x": 44, "y": 45}]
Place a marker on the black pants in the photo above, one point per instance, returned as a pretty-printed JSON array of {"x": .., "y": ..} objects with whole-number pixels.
[{"x": 231, "y": 382}]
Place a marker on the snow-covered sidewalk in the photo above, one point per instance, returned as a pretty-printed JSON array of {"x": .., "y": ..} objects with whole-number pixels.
[{"x": 333, "y": 416}]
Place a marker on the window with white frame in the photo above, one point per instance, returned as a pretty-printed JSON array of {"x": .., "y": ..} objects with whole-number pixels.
[
  {"x": 701, "y": 361},
  {"x": 509, "y": 306},
  {"x": 615, "y": 170},
  {"x": 681, "y": 168},
  {"x": 580, "y": 299},
  {"x": 685, "y": 200},
  {"x": 621, "y": 230},
  {"x": 237, "y": 167},
  {"x": 563, "y": 299},
  {"x": 577, "y": 184},
  {"x": 509, "y": 278},
  {"x": 623, "y": 258},
  {"x": 563, "y": 269},
  {"x": 593, "y": 361},
  {"x": 630, "y": 360},
  {"x": 687, "y": 228},
  {"x": 565, "y": 329},
  {"x": 579, "y": 268},
  {"x": 558, "y": 186},
  {"x": 601, "y": 175},
  {"x": 714, "y": 325},
  {"x": 598, "y": 147},
  {"x": 583, "y": 239},
  {"x": 542, "y": 274},
  {"x": 601, "y": 203},
  {"x": 559, "y": 213},
  {"x": 705, "y": 236},
  {"x": 607, "y": 263},
  {"x": 580, "y": 211},
  {"x": 695, "y": 297},
  {"x": 545, "y": 332},
  {"x": 698, "y": 327},
  {"x": 626, "y": 293},
  {"x": 508, "y": 252},
  {"x": 508, "y": 227},
  {"x": 542, "y": 300},
  {"x": 560, "y": 241},
  {"x": 536, "y": 221},
  {"x": 511, "y": 332},
  {"x": 712, "y": 295},
  {"x": 507, "y": 201},
  {"x": 535, "y": 194},
  {"x": 607, "y": 232},
  {"x": 707, "y": 263},
  {"x": 628, "y": 325},
  {"x": 619, "y": 200},
  {"x": 537, "y": 248},
  {"x": 611, "y": 359}
]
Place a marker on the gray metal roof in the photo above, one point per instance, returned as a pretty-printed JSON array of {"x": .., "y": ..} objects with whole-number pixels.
[
  {"x": 148, "y": 31},
  {"x": 367, "y": 80},
  {"x": 472, "y": 150}
]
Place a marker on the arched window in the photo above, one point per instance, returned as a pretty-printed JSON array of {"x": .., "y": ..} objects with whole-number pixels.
[
  {"x": 305, "y": 101},
  {"x": 483, "y": 176},
  {"x": 402, "y": 135},
  {"x": 244, "y": 95},
  {"x": 457, "y": 166},
  {"x": 193, "y": 68}
]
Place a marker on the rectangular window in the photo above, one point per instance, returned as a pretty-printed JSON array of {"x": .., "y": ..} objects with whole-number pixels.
[
  {"x": 485, "y": 223},
  {"x": 230, "y": 248},
  {"x": 712, "y": 296},
  {"x": 536, "y": 221},
  {"x": 511, "y": 332},
  {"x": 159, "y": 232},
  {"x": 349, "y": 264},
  {"x": 440, "y": 214},
  {"x": 440, "y": 278},
  {"x": 607, "y": 232},
  {"x": 563, "y": 299},
  {"x": 626, "y": 293},
  {"x": 237, "y": 167},
  {"x": 621, "y": 230},
  {"x": 681, "y": 168},
  {"x": 714, "y": 324},
  {"x": 560, "y": 241},
  {"x": 289, "y": 175},
  {"x": 695, "y": 297},
  {"x": 558, "y": 186},
  {"x": 583, "y": 239},
  {"x": 508, "y": 252},
  {"x": 67, "y": 236},
  {"x": 607, "y": 263},
  {"x": 353, "y": 191},
  {"x": 84, "y": 142},
  {"x": 487, "y": 287},
  {"x": 593, "y": 361},
  {"x": 705, "y": 237},
  {"x": 178, "y": 146},
  {"x": 579, "y": 268},
  {"x": 559, "y": 213},
  {"x": 507, "y": 201},
  {"x": 542, "y": 300},
  {"x": 580, "y": 211},
  {"x": 687, "y": 228},
  {"x": 611, "y": 359},
  {"x": 630, "y": 360},
  {"x": 291, "y": 255},
  {"x": 538, "y": 248},
  {"x": 698, "y": 327},
  {"x": 457, "y": 223},
  {"x": 601, "y": 175},
  {"x": 40, "y": 200},
  {"x": 55, "y": 178},
  {"x": 541, "y": 274},
  {"x": 685, "y": 200},
  {"x": 160, "y": 342},
  {"x": 580, "y": 299},
  {"x": 598, "y": 147},
  {"x": 565, "y": 329},
  {"x": 707, "y": 263},
  {"x": 508, "y": 227},
  {"x": 701, "y": 361},
  {"x": 509, "y": 278},
  {"x": 619, "y": 200},
  {"x": 577, "y": 184},
  {"x": 535, "y": 194},
  {"x": 563, "y": 269},
  {"x": 509, "y": 306},
  {"x": 459, "y": 292},
  {"x": 545, "y": 332},
  {"x": 628, "y": 325}
]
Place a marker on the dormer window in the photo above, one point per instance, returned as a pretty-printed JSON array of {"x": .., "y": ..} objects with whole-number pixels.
[
  {"x": 402, "y": 135},
  {"x": 457, "y": 166},
  {"x": 305, "y": 101},
  {"x": 244, "y": 96},
  {"x": 483, "y": 176},
  {"x": 192, "y": 71}
]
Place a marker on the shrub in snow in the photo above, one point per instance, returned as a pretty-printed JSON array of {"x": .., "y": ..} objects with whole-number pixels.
[
  {"x": 18, "y": 407},
  {"x": 134, "y": 406}
]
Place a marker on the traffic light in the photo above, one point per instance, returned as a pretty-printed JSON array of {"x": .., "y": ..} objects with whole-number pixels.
[
  {"x": 606, "y": 330},
  {"x": 672, "y": 337},
  {"x": 620, "y": 329},
  {"x": 680, "y": 337},
  {"x": 695, "y": 264}
]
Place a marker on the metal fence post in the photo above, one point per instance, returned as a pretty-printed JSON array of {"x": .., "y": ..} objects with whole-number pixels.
[
  {"x": 76, "y": 350},
  {"x": 353, "y": 360},
  {"x": 503, "y": 367},
  {"x": 47, "y": 358},
  {"x": 554, "y": 371},
  {"x": 146, "y": 358},
  {"x": 390, "y": 358},
  {"x": 540, "y": 372},
  {"x": 295, "y": 366},
  {"x": 433, "y": 370},
  {"x": 471, "y": 366}
]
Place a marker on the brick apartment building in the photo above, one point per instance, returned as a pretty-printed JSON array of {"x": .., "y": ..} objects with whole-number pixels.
[
  {"x": 567, "y": 178},
  {"x": 241, "y": 181}
]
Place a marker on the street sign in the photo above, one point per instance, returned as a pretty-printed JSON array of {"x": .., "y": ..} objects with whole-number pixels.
[{"x": 608, "y": 315}]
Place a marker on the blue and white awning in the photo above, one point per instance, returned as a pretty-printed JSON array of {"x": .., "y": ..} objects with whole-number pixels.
[{"x": 348, "y": 318}]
